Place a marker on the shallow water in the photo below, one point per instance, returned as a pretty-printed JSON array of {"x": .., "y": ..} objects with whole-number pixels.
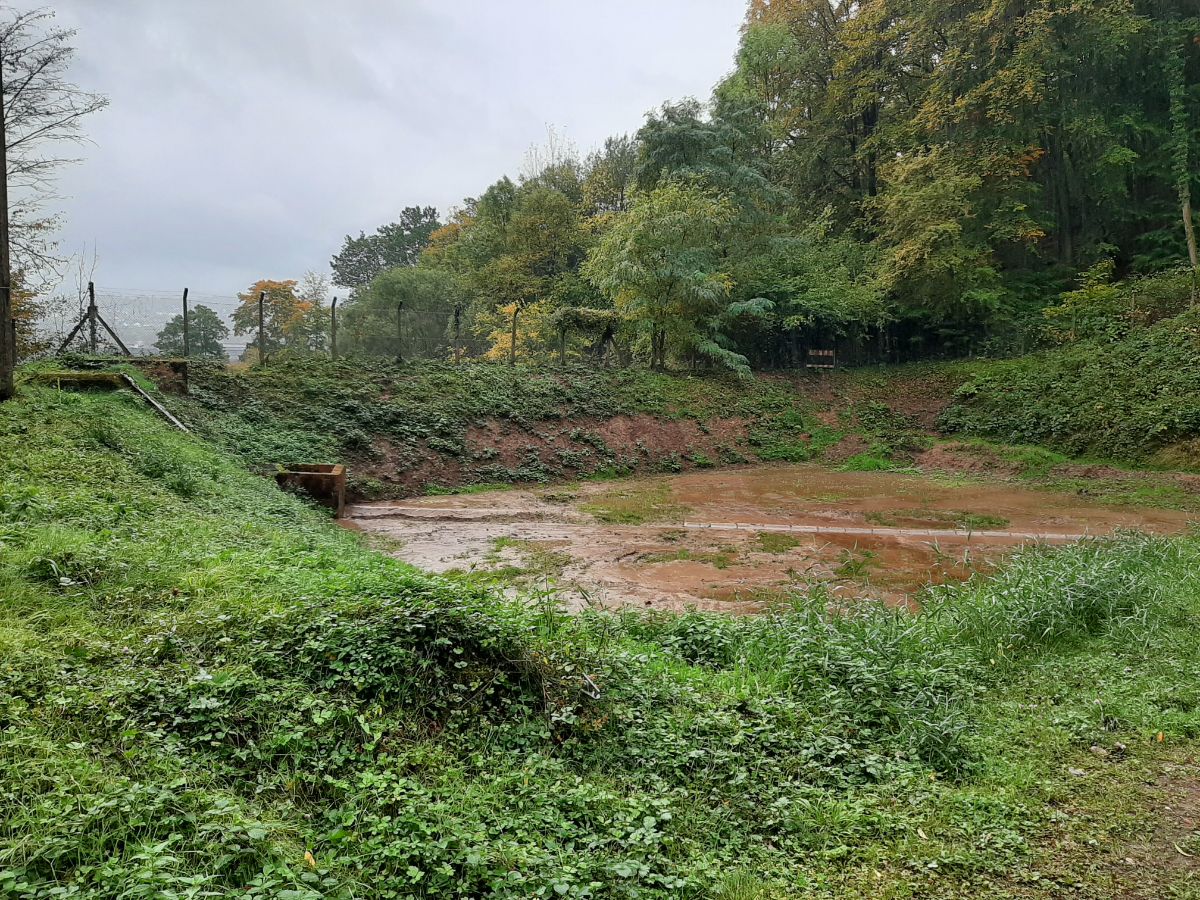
[{"x": 741, "y": 539}]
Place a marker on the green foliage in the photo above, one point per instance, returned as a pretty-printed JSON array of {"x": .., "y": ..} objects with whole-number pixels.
[
  {"x": 777, "y": 542},
  {"x": 295, "y": 317},
  {"x": 215, "y": 691},
  {"x": 609, "y": 181},
  {"x": 865, "y": 462},
  {"x": 369, "y": 324},
  {"x": 938, "y": 258},
  {"x": 658, "y": 266},
  {"x": 1112, "y": 399},
  {"x": 1102, "y": 309},
  {"x": 396, "y": 245},
  {"x": 321, "y": 409},
  {"x": 904, "y": 179},
  {"x": 206, "y": 330}
]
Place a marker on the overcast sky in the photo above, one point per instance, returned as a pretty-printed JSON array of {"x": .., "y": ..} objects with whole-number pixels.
[{"x": 245, "y": 138}]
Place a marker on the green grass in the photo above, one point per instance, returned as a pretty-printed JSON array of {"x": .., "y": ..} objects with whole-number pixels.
[
  {"x": 537, "y": 562},
  {"x": 721, "y": 558},
  {"x": 202, "y": 680},
  {"x": 777, "y": 541},
  {"x": 1035, "y": 462},
  {"x": 866, "y": 462},
  {"x": 436, "y": 490},
  {"x": 956, "y": 518},
  {"x": 635, "y": 503}
]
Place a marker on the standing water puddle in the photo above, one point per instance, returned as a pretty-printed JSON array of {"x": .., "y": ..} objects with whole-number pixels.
[{"x": 740, "y": 539}]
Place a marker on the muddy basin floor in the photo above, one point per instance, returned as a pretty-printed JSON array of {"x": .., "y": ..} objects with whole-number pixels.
[{"x": 741, "y": 539}]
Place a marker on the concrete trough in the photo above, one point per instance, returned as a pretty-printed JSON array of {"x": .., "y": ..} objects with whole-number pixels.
[{"x": 323, "y": 482}]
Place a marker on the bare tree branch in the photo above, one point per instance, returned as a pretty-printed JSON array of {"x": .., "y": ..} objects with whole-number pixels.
[{"x": 42, "y": 110}]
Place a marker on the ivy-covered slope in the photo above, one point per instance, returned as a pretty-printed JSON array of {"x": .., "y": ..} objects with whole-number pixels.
[
  {"x": 1130, "y": 398},
  {"x": 208, "y": 689},
  {"x": 408, "y": 428}
]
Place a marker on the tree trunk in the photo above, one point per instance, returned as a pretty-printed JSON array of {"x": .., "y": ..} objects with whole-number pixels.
[
  {"x": 8, "y": 335},
  {"x": 1181, "y": 150},
  {"x": 1189, "y": 228}
]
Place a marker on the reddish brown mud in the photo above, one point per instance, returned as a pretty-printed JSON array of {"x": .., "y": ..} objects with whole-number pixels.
[{"x": 741, "y": 539}]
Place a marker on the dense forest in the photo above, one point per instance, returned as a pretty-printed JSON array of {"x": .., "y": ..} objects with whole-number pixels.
[{"x": 896, "y": 179}]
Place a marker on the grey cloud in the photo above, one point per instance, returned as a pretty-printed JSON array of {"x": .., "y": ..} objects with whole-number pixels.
[{"x": 245, "y": 138}]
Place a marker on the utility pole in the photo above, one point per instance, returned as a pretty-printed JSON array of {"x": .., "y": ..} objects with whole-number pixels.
[
  {"x": 8, "y": 343},
  {"x": 333, "y": 329},
  {"x": 262, "y": 340},
  {"x": 187, "y": 346}
]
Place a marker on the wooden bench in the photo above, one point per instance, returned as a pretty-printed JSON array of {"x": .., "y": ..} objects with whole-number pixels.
[{"x": 821, "y": 359}]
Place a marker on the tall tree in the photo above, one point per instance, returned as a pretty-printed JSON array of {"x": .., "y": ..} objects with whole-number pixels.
[
  {"x": 285, "y": 316},
  {"x": 610, "y": 172},
  {"x": 313, "y": 331},
  {"x": 428, "y": 297},
  {"x": 397, "y": 244},
  {"x": 42, "y": 113},
  {"x": 660, "y": 266},
  {"x": 1181, "y": 129},
  {"x": 206, "y": 331}
]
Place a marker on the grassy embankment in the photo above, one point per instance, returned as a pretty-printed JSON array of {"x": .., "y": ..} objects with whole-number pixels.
[
  {"x": 441, "y": 426},
  {"x": 1135, "y": 399},
  {"x": 427, "y": 428},
  {"x": 207, "y": 689}
]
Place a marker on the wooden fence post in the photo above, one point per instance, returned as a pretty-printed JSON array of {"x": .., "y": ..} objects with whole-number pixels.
[
  {"x": 262, "y": 340},
  {"x": 187, "y": 347},
  {"x": 333, "y": 329}
]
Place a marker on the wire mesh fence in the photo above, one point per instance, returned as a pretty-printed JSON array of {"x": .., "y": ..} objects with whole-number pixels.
[{"x": 137, "y": 315}]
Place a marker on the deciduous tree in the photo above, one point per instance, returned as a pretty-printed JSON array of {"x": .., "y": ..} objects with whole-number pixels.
[
  {"x": 659, "y": 265},
  {"x": 43, "y": 113},
  {"x": 397, "y": 244},
  {"x": 206, "y": 331},
  {"x": 285, "y": 316}
]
